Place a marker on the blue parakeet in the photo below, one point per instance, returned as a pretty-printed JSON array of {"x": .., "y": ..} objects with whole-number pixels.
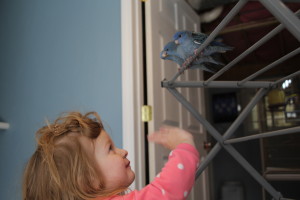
[
  {"x": 207, "y": 63},
  {"x": 189, "y": 42}
]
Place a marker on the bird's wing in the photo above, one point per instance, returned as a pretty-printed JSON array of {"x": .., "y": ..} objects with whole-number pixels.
[{"x": 199, "y": 38}]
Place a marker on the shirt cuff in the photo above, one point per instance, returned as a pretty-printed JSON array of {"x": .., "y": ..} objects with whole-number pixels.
[{"x": 188, "y": 147}]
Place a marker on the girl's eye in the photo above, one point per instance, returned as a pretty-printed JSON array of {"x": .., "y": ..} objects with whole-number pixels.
[{"x": 110, "y": 147}]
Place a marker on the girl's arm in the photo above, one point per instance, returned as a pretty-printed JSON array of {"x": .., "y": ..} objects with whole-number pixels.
[{"x": 178, "y": 175}]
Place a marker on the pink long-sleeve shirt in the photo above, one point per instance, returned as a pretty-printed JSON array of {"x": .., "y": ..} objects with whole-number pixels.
[{"x": 175, "y": 180}]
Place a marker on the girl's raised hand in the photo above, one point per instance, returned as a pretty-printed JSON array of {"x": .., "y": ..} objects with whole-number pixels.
[{"x": 170, "y": 137}]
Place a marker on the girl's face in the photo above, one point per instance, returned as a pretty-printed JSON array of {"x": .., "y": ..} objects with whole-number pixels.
[{"x": 112, "y": 162}]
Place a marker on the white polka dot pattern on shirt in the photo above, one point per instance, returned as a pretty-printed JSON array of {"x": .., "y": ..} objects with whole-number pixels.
[
  {"x": 185, "y": 194},
  {"x": 163, "y": 191},
  {"x": 171, "y": 153},
  {"x": 158, "y": 175},
  {"x": 180, "y": 166}
]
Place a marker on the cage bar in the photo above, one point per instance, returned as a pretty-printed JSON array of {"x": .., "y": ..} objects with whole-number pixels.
[
  {"x": 287, "y": 77},
  {"x": 284, "y": 15},
  {"x": 264, "y": 135},
  {"x": 273, "y": 64},
  {"x": 218, "y": 84}
]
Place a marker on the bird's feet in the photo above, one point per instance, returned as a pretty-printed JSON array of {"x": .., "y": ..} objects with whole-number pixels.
[
  {"x": 179, "y": 69},
  {"x": 196, "y": 52},
  {"x": 188, "y": 62}
]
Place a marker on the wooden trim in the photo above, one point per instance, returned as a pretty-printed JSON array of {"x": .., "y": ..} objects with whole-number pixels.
[{"x": 132, "y": 88}]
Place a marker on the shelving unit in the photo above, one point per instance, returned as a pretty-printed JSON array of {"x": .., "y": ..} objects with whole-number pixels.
[{"x": 291, "y": 22}]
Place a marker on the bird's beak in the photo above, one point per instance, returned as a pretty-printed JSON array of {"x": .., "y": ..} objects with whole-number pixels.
[
  {"x": 176, "y": 42},
  {"x": 163, "y": 54}
]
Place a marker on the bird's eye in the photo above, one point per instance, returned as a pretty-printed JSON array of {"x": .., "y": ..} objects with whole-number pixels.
[
  {"x": 167, "y": 49},
  {"x": 179, "y": 35}
]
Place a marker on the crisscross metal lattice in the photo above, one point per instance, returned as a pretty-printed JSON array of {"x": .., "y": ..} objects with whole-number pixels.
[{"x": 288, "y": 20}]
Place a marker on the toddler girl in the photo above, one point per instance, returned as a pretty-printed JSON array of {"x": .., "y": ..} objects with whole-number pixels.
[{"x": 76, "y": 159}]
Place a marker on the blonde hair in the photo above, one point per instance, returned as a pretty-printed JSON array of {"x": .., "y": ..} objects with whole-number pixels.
[{"x": 60, "y": 168}]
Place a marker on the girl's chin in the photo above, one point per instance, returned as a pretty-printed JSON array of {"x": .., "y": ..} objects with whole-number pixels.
[{"x": 132, "y": 177}]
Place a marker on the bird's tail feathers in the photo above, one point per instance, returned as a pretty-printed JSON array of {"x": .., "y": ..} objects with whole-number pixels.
[
  {"x": 207, "y": 66},
  {"x": 213, "y": 68},
  {"x": 221, "y": 44},
  {"x": 214, "y": 59}
]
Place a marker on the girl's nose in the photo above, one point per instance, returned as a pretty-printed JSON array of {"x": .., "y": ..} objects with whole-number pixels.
[{"x": 123, "y": 153}]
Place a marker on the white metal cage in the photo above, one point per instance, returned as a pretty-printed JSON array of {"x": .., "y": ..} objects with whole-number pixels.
[{"x": 288, "y": 20}]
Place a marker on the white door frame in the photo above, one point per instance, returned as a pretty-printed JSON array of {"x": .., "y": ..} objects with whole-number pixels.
[{"x": 132, "y": 88}]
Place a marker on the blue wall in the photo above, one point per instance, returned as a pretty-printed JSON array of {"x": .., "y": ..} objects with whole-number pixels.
[{"x": 55, "y": 56}]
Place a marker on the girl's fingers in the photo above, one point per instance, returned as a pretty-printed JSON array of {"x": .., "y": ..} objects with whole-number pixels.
[
  {"x": 166, "y": 128},
  {"x": 157, "y": 137},
  {"x": 170, "y": 137},
  {"x": 151, "y": 136},
  {"x": 161, "y": 134},
  {"x": 154, "y": 137}
]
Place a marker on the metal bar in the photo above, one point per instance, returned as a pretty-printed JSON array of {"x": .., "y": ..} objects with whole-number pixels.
[
  {"x": 196, "y": 114},
  {"x": 235, "y": 154},
  {"x": 277, "y": 62},
  {"x": 244, "y": 113},
  {"x": 287, "y": 77},
  {"x": 215, "y": 32},
  {"x": 249, "y": 50},
  {"x": 264, "y": 135},
  {"x": 217, "y": 84},
  {"x": 213, "y": 152},
  {"x": 284, "y": 15},
  {"x": 240, "y": 159}
]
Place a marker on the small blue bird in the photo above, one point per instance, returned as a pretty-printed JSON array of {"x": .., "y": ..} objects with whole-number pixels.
[
  {"x": 207, "y": 63},
  {"x": 189, "y": 42}
]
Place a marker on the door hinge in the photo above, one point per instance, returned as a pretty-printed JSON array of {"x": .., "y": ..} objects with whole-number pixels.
[{"x": 146, "y": 113}]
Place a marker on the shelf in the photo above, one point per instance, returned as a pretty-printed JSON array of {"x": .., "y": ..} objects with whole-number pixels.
[
  {"x": 282, "y": 177},
  {"x": 4, "y": 125},
  {"x": 282, "y": 174}
]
